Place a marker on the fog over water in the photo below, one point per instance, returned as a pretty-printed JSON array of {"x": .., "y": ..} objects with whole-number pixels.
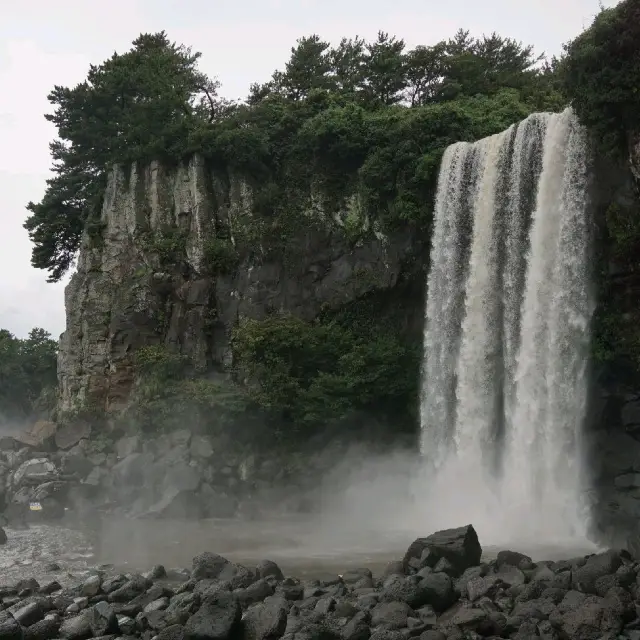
[{"x": 368, "y": 514}]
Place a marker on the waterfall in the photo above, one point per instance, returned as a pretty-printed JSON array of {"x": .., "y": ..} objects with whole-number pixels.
[{"x": 506, "y": 332}]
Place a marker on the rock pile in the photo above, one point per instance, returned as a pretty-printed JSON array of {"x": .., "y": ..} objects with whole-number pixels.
[
  {"x": 182, "y": 475},
  {"x": 439, "y": 591}
]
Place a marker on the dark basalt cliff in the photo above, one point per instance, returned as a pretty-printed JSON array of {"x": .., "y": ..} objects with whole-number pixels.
[
  {"x": 613, "y": 423},
  {"x": 148, "y": 277}
]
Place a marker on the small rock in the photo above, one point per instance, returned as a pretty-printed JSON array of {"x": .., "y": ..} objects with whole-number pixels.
[
  {"x": 29, "y": 614},
  {"x": 173, "y": 632},
  {"x": 156, "y": 573},
  {"x": 10, "y": 629},
  {"x": 208, "y": 565},
  {"x": 43, "y": 630},
  {"x": 393, "y": 615},
  {"x": 91, "y": 586},
  {"x": 269, "y": 569},
  {"x": 127, "y": 625},
  {"x": 267, "y": 620}
]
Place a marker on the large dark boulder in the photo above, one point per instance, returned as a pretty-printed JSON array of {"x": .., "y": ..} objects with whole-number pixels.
[
  {"x": 218, "y": 618},
  {"x": 266, "y": 620},
  {"x": 460, "y": 547},
  {"x": 208, "y": 566}
]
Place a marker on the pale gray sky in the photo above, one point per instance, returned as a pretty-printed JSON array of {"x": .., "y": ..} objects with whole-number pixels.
[{"x": 43, "y": 43}]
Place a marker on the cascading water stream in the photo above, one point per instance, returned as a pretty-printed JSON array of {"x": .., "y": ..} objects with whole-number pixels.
[{"x": 506, "y": 332}]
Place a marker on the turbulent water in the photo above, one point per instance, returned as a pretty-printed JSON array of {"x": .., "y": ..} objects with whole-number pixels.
[{"x": 507, "y": 331}]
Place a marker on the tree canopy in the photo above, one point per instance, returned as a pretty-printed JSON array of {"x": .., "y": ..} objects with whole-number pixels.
[
  {"x": 600, "y": 72},
  {"x": 333, "y": 107},
  {"x": 27, "y": 373}
]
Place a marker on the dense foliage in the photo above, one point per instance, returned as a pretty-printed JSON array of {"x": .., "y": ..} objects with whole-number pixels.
[
  {"x": 371, "y": 116},
  {"x": 168, "y": 395},
  {"x": 344, "y": 367},
  {"x": 601, "y": 74},
  {"x": 342, "y": 364},
  {"x": 27, "y": 374}
]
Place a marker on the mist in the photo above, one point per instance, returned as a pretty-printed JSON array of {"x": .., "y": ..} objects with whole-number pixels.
[{"x": 364, "y": 511}]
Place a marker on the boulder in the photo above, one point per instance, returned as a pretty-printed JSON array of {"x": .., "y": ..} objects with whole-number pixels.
[
  {"x": 460, "y": 547},
  {"x": 34, "y": 472},
  {"x": 40, "y": 435},
  {"x": 218, "y": 618},
  {"x": 201, "y": 447},
  {"x": 132, "y": 471},
  {"x": 266, "y": 620},
  {"x": 208, "y": 565},
  {"x": 127, "y": 446},
  {"x": 69, "y": 435}
]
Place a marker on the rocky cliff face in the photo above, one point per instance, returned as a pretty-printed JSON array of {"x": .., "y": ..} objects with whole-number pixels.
[
  {"x": 613, "y": 432},
  {"x": 131, "y": 290}
]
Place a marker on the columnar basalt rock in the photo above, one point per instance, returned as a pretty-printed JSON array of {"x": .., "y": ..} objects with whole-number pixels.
[{"x": 126, "y": 293}]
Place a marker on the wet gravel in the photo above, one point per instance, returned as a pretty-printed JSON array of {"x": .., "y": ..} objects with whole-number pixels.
[{"x": 45, "y": 553}]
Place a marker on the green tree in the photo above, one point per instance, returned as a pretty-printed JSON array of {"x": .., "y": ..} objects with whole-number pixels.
[
  {"x": 424, "y": 69},
  {"x": 27, "y": 369},
  {"x": 308, "y": 68},
  {"x": 601, "y": 75},
  {"x": 138, "y": 106},
  {"x": 484, "y": 66},
  {"x": 385, "y": 68},
  {"x": 348, "y": 64},
  {"x": 308, "y": 374}
]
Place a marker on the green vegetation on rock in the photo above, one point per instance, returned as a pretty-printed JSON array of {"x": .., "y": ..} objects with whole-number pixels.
[
  {"x": 370, "y": 117},
  {"x": 27, "y": 375},
  {"x": 600, "y": 74},
  {"x": 309, "y": 374},
  {"x": 168, "y": 395}
]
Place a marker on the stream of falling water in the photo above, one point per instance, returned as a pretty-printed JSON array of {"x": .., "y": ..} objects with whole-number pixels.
[{"x": 507, "y": 333}]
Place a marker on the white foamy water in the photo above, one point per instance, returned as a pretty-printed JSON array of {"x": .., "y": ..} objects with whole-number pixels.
[{"x": 506, "y": 335}]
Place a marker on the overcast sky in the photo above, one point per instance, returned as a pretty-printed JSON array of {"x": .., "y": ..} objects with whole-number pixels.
[{"x": 43, "y": 43}]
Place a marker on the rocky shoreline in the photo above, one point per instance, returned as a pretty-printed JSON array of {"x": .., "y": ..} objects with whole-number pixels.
[{"x": 440, "y": 590}]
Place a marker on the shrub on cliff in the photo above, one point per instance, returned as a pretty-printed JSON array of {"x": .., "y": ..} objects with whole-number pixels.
[
  {"x": 168, "y": 395},
  {"x": 306, "y": 374},
  {"x": 27, "y": 374}
]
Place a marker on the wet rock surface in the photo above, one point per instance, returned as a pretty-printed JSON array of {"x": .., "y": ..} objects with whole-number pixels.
[{"x": 441, "y": 590}]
